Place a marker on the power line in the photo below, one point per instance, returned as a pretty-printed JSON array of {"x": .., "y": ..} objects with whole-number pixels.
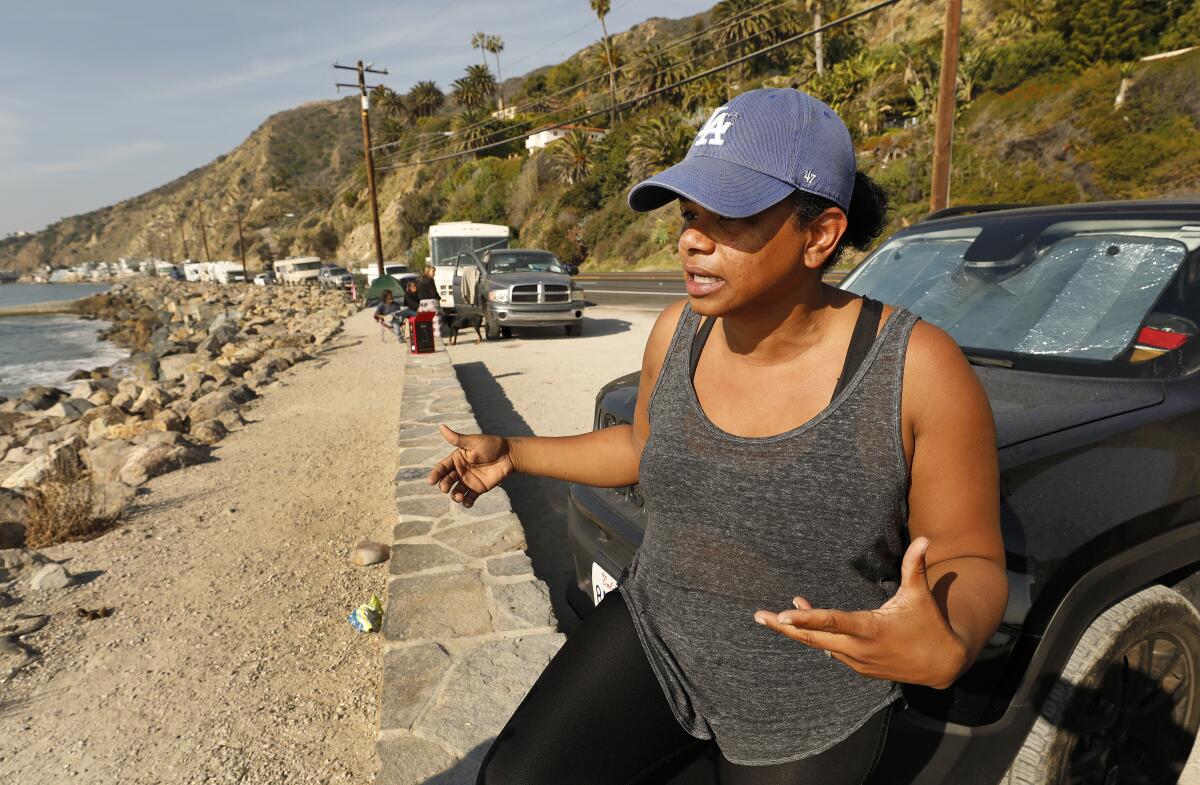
[
  {"x": 707, "y": 31},
  {"x": 686, "y": 80},
  {"x": 566, "y": 36}
]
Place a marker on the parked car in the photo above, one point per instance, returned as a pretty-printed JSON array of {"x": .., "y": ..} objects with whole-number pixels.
[
  {"x": 1081, "y": 322},
  {"x": 264, "y": 279},
  {"x": 334, "y": 277},
  {"x": 516, "y": 288}
]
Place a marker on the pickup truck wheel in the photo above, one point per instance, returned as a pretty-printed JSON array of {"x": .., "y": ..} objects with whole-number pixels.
[
  {"x": 573, "y": 330},
  {"x": 491, "y": 327},
  {"x": 1127, "y": 705}
]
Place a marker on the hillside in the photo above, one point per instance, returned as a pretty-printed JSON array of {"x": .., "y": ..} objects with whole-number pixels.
[{"x": 1037, "y": 123}]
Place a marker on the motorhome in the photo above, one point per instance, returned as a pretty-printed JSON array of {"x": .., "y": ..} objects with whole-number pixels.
[
  {"x": 448, "y": 240},
  {"x": 298, "y": 270},
  {"x": 228, "y": 272},
  {"x": 195, "y": 271}
]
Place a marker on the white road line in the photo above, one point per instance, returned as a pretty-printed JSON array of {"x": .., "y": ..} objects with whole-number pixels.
[{"x": 586, "y": 292}]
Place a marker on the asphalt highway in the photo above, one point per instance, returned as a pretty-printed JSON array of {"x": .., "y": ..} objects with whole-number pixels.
[{"x": 644, "y": 291}]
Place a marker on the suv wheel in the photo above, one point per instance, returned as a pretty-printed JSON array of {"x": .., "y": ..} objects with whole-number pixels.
[
  {"x": 1127, "y": 705},
  {"x": 491, "y": 327}
]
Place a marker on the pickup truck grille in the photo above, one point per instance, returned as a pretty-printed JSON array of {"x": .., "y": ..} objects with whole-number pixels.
[{"x": 540, "y": 293}]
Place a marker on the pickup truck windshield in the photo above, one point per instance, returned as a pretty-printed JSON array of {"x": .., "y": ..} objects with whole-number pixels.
[
  {"x": 337, "y": 271},
  {"x": 511, "y": 262},
  {"x": 1072, "y": 289}
]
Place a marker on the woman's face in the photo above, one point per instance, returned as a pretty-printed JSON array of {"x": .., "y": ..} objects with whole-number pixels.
[{"x": 733, "y": 263}]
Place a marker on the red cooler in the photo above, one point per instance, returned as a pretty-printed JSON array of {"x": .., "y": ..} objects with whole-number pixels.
[{"x": 420, "y": 333}]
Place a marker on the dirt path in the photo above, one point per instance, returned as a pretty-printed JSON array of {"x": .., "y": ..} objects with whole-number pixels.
[{"x": 229, "y": 658}]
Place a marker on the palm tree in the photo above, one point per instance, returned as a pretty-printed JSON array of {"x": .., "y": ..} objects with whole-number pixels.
[
  {"x": 474, "y": 128},
  {"x": 495, "y": 45},
  {"x": 656, "y": 144},
  {"x": 815, "y": 7},
  {"x": 655, "y": 70},
  {"x": 602, "y": 7},
  {"x": 479, "y": 41},
  {"x": 476, "y": 89},
  {"x": 741, "y": 25},
  {"x": 1126, "y": 72},
  {"x": 425, "y": 99},
  {"x": 389, "y": 103},
  {"x": 571, "y": 156}
]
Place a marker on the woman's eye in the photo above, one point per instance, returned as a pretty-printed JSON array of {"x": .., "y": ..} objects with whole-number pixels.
[{"x": 687, "y": 215}]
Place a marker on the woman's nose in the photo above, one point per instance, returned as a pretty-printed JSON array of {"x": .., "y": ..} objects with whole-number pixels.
[{"x": 694, "y": 241}]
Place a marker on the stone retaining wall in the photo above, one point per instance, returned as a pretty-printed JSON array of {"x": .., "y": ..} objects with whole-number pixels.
[{"x": 467, "y": 626}]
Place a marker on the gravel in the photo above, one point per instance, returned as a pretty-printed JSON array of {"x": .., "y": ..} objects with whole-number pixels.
[{"x": 228, "y": 657}]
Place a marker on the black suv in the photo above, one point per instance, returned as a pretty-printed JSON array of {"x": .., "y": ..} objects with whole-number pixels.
[{"x": 1081, "y": 322}]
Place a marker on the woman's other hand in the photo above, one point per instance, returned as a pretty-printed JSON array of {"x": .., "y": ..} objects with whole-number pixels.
[
  {"x": 478, "y": 464},
  {"x": 907, "y": 639}
]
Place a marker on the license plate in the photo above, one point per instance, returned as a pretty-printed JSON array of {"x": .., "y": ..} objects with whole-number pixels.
[{"x": 602, "y": 583}]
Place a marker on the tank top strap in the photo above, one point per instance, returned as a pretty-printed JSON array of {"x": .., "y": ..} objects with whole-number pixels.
[{"x": 674, "y": 370}]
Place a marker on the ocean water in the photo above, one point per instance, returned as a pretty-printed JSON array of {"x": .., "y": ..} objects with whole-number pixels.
[{"x": 47, "y": 349}]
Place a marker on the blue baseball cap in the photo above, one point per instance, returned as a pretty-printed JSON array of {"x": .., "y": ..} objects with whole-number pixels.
[{"x": 756, "y": 151}]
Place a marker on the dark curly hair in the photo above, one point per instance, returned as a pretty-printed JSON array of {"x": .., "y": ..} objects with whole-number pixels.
[{"x": 867, "y": 214}]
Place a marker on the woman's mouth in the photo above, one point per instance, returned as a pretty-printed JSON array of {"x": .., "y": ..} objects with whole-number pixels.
[{"x": 699, "y": 285}]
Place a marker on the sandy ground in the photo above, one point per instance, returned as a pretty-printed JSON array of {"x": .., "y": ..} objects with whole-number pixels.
[
  {"x": 540, "y": 382},
  {"x": 229, "y": 657}
]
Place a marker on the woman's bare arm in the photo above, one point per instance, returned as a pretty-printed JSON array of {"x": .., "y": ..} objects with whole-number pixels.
[
  {"x": 953, "y": 588},
  {"x": 607, "y": 458}
]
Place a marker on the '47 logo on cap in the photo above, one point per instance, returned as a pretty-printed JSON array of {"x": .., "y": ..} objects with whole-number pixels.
[{"x": 714, "y": 130}]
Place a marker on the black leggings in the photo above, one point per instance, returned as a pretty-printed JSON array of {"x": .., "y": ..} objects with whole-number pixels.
[{"x": 597, "y": 714}]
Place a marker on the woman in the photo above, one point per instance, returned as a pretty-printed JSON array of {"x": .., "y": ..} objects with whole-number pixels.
[
  {"x": 399, "y": 313},
  {"x": 789, "y": 439}
]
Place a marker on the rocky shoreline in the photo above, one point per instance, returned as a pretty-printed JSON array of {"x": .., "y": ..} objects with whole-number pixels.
[{"x": 199, "y": 352}]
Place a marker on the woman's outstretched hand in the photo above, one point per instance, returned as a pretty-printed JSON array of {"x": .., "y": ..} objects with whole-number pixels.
[
  {"x": 478, "y": 464},
  {"x": 907, "y": 639}
]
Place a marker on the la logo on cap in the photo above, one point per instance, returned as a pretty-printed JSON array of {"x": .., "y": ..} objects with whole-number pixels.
[{"x": 714, "y": 130}]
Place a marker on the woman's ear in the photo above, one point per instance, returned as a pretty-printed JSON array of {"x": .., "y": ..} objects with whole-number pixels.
[{"x": 824, "y": 233}]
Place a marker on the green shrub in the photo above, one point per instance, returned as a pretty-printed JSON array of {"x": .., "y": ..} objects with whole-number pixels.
[{"x": 1010, "y": 64}]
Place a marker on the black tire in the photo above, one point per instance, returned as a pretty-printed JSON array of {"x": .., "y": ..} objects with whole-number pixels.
[
  {"x": 573, "y": 330},
  {"x": 491, "y": 327},
  {"x": 1127, "y": 705},
  {"x": 505, "y": 332}
]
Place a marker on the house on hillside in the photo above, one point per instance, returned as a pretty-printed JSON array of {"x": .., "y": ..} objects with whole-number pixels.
[{"x": 539, "y": 139}]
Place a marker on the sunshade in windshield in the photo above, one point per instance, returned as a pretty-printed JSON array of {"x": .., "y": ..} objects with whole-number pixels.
[{"x": 1081, "y": 296}]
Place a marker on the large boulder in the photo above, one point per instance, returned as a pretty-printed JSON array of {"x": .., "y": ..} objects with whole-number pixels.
[
  {"x": 219, "y": 401},
  {"x": 106, "y": 460},
  {"x": 175, "y": 366},
  {"x": 29, "y": 475},
  {"x": 40, "y": 398},
  {"x": 209, "y": 431},
  {"x": 139, "y": 366},
  {"x": 71, "y": 408},
  {"x": 13, "y": 511},
  {"x": 151, "y": 401},
  {"x": 148, "y": 461},
  {"x": 211, "y": 346},
  {"x": 97, "y": 421}
]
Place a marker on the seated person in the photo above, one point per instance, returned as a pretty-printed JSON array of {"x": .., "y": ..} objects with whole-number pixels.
[{"x": 388, "y": 307}]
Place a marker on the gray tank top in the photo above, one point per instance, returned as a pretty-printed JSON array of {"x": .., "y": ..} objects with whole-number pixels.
[{"x": 738, "y": 524}]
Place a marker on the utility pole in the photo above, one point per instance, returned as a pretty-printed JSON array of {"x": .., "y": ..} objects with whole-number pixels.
[
  {"x": 939, "y": 197},
  {"x": 366, "y": 126},
  {"x": 203, "y": 233},
  {"x": 183, "y": 238},
  {"x": 241, "y": 241}
]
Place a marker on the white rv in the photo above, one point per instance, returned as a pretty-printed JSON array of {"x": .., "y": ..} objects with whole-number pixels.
[
  {"x": 448, "y": 240},
  {"x": 195, "y": 271},
  {"x": 228, "y": 272},
  {"x": 298, "y": 270}
]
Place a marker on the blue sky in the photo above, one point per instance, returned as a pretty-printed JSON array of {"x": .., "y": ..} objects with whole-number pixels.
[{"x": 100, "y": 101}]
